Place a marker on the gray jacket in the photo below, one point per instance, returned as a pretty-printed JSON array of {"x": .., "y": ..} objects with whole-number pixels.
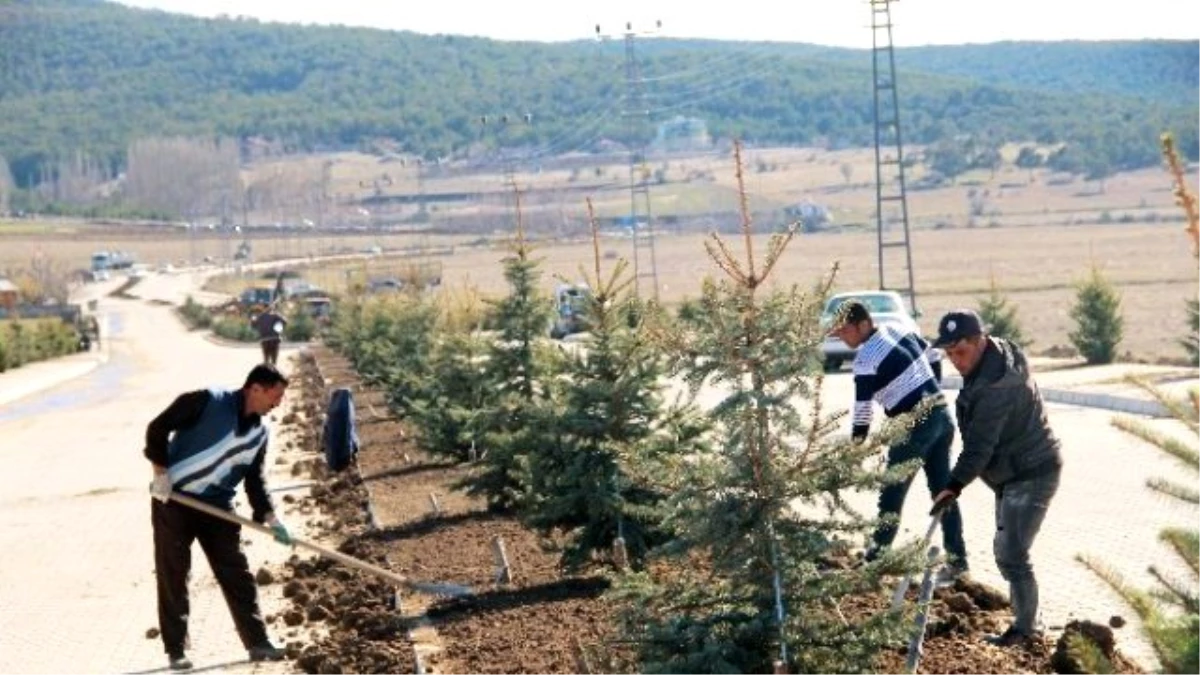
[{"x": 1006, "y": 436}]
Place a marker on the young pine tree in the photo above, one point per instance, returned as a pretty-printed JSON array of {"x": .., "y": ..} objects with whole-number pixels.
[
  {"x": 1170, "y": 613},
  {"x": 447, "y": 413},
  {"x": 1001, "y": 317},
  {"x": 519, "y": 366},
  {"x": 608, "y": 417},
  {"x": 756, "y": 517},
  {"x": 1099, "y": 325},
  {"x": 1191, "y": 211}
]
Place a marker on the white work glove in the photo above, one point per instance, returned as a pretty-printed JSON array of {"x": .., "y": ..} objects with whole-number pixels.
[{"x": 160, "y": 487}]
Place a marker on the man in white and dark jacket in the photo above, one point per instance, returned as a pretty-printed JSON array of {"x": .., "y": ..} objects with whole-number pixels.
[{"x": 204, "y": 445}]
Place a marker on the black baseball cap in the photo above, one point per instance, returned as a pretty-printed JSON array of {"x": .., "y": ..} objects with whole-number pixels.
[{"x": 958, "y": 325}]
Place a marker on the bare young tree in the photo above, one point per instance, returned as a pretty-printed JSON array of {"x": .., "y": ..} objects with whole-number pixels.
[
  {"x": 77, "y": 180},
  {"x": 7, "y": 186},
  {"x": 189, "y": 177}
]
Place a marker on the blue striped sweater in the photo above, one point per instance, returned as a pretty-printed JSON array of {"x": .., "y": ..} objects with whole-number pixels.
[{"x": 891, "y": 367}]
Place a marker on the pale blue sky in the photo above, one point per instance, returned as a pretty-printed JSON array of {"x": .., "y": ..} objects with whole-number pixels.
[{"x": 830, "y": 22}]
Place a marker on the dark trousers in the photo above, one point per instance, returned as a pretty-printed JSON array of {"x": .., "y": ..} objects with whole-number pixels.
[
  {"x": 1021, "y": 507},
  {"x": 175, "y": 528},
  {"x": 930, "y": 441},
  {"x": 270, "y": 350}
]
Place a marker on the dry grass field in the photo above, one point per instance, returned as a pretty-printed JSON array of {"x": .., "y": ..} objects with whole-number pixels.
[
  {"x": 71, "y": 243},
  {"x": 1035, "y": 267},
  {"x": 1037, "y": 235},
  {"x": 775, "y": 177}
]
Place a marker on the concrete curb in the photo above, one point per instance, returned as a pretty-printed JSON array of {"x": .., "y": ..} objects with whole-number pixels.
[
  {"x": 1125, "y": 404},
  {"x": 49, "y": 374}
]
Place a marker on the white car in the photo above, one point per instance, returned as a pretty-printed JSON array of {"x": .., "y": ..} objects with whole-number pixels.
[{"x": 886, "y": 307}]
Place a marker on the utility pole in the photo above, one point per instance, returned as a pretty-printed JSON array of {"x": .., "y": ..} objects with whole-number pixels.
[
  {"x": 891, "y": 200},
  {"x": 502, "y": 123},
  {"x": 637, "y": 120}
]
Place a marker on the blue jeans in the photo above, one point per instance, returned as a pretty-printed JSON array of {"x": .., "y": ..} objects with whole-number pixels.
[
  {"x": 929, "y": 440},
  {"x": 1020, "y": 509}
]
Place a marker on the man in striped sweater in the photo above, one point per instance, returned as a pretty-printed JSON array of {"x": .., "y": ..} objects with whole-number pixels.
[
  {"x": 891, "y": 367},
  {"x": 204, "y": 445}
]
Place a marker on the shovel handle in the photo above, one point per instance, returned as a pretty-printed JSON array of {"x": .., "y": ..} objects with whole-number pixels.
[
  {"x": 902, "y": 587},
  {"x": 192, "y": 502}
]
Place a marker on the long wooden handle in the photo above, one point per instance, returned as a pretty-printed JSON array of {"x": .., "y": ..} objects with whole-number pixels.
[{"x": 192, "y": 502}]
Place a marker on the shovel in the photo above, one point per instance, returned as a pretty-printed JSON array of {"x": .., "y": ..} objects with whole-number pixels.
[
  {"x": 449, "y": 590},
  {"x": 902, "y": 587}
]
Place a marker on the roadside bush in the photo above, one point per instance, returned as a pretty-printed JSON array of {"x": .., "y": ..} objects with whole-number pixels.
[
  {"x": 194, "y": 314},
  {"x": 300, "y": 327},
  {"x": 1098, "y": 320},
  {"x": 27, "y": 341},
  {"x": 234, "y": 328}
]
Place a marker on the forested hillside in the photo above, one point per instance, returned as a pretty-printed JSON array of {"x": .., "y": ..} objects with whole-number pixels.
[{"x": 84, "y": 75}]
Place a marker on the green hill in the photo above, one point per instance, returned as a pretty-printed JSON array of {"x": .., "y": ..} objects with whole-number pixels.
[
  {"x": 90, "y": 76},
  {"x": 1158, "y": 71}
]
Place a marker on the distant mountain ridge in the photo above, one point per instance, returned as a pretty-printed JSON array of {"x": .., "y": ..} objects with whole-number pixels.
[{"x": 91, "y": 76}]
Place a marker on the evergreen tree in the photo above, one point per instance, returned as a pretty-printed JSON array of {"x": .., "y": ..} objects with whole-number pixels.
[
  {"x": 1170, "y": 614},
  {"x": 519, "y": 365},
  {"x": 1191, "y": 341},
  {"x": 1098, "y": 321},
  {"x": 388, "y": 341},
  {"x": 446, "y": 413},
  {"x": 608, "y": 418},
  {"x": 757, "y": 518},
  {"x": 1000, "y": 317}
]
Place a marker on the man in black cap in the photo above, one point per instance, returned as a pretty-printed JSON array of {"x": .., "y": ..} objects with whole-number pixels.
[
  {"x": 891, "y": 366},
  {"x": 1008, "y": 443}
]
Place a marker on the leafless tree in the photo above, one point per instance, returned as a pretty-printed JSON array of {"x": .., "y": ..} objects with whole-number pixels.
[
  {"x": 189, "y": 177},
  {"x": 7, "y": 185}
]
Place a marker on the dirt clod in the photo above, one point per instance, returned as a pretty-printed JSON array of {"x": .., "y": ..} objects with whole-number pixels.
[
  {"x": 1068, "y": 658},
  {"x": 264, "y": 577},
  {"x": 151, "y": 633},
  {"x": 293, "y": 617}
]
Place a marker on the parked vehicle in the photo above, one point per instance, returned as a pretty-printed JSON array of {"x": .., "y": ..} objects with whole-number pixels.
[
  {"x": 886, "y": 307},
  {"x": 570, "y": 305}
]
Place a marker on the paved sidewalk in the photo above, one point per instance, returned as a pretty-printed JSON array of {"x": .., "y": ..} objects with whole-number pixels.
[{"x": 78, "y": 568}]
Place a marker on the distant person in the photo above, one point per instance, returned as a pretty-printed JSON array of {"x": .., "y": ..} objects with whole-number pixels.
[
  {"x": 204, "y": 445},
  {"x": 270, "y": 325},
  {"x": 891, "y": 366},
  {"x": 94, "y": 330},
  {"x": 1007, "y": 442}
]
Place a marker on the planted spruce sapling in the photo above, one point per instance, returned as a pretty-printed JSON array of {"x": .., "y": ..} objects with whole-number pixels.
[
  {"x": 608, "y": 417},
  {"x": 758, "y": 518}
]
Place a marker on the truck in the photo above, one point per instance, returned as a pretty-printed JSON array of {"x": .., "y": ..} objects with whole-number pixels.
[{"x": 105, "y": 262}]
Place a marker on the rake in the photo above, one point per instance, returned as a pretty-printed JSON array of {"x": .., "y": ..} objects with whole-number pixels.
[{"x": 448, "y": 590}]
